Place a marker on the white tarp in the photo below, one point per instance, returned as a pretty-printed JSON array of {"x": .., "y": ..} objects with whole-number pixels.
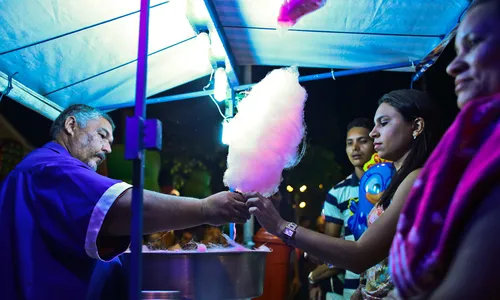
[
  {"x": 75, "y": 51},
  {"x": 343, "y": 34},
  {"x": 96, "y": 65}
]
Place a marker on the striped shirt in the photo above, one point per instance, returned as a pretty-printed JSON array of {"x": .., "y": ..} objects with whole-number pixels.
[{"x": 337, "y": 210}]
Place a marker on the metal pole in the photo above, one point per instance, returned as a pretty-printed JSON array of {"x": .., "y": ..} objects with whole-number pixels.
[
  {"x": 28, "y": 97},
  {"x": 333, "y": 75},
  {"x": 135, "y": 283},
  {"x": 160, "y": 99},
  {"x": 248, "y": 227},
  {"x": 327, "y": 75}
]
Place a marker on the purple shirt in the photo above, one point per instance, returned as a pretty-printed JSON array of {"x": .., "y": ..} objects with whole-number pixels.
[{"x": 52, "y": 207}]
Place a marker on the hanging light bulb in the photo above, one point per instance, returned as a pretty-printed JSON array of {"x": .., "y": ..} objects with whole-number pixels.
[
  {"x": 203, "y": 49},
  {"x": 197, "y": 12},
  {"x": 226, "y": 131},
  {"x": 217, "y": 49},
  {"x": 220, "y": 85},
  {"x": 203, "y": 40}
]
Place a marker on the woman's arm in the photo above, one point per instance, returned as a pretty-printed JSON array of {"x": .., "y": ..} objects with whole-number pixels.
[
  {"x": 473, "y": 273},
  {"x": 371, "y": 248}
]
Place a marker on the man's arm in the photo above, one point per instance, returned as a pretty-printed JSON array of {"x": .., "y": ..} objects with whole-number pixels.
[
  {"x": 324, "y": 271},
  {"x": 76, "y": 206},
  {"x": 166, "y": 212},
  {"x": 333, "y": 228},
  {"x": 472, "y": 274}
]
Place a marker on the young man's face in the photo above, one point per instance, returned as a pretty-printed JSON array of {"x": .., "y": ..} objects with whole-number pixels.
[{"x": 359, "y": 146}]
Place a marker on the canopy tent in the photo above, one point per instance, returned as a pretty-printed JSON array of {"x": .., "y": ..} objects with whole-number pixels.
[
  {"x": 343, "y": 34},
  {"x": 67, "y": 52},
  {"x": 64, "y": 52}
]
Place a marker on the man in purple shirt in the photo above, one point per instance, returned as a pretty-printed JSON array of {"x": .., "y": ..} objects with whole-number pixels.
[{"x": 59, "y": 218}]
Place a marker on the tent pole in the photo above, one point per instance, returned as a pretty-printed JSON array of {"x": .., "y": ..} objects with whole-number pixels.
[
  {"x": 137, "y": 134},
  {"x": 327, "y": 75}
]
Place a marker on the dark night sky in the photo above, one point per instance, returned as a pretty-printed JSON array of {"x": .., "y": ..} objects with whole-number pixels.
[{"x": 330, "y": 106}]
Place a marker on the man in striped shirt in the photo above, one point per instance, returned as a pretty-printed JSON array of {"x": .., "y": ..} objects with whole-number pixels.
[{"x": 337, "y": 207}]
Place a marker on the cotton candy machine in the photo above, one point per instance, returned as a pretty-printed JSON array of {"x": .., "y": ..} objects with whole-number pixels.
[{"x": 211, "y": 275}]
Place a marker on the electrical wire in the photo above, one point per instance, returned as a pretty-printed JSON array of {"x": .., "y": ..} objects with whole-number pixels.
[
  {"x": 9, "y": 86},
  {"x": 212, "y": 97}
]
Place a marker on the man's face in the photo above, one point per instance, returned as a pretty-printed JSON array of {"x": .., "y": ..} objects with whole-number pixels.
[
  {"x": 359, "y": 146},
  {"x": 92, "y": 143}
]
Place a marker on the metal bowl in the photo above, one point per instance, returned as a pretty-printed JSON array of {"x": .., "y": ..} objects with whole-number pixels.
[
  {"x": 161, "y": 295},
  {"x": 204, "y": 275}
]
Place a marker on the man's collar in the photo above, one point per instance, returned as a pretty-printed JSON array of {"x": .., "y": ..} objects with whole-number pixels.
[
  {"x": 59, "y": 149},
  {"x": 56, "y": 147},
  {"x": 355, "y": 179}
]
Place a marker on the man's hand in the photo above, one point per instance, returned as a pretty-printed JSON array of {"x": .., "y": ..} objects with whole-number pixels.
[
  {"x": 223, "y": 208},
  {"x": 315, "y": 293},
  {"x": 321, "y": 272},
  {"x": 295, "y": 287},
  {"x": 267, "y": 215},
  {"x": 313, "y": 259}
]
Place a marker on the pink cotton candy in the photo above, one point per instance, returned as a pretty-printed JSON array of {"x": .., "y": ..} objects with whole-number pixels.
[
  {"x": 292, "y": 10},
  {"x": 266, "y": 133}
]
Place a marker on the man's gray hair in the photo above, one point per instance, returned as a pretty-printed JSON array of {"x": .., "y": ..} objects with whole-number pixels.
[{"x": 82, "y": 113}]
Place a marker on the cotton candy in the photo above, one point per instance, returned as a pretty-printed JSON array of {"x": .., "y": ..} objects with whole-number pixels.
[
  {"x": 266, "y": 133},
  {"x": 292, "y": 10}
]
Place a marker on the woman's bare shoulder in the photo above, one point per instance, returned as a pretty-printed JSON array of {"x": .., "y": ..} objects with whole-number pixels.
[{"x": 405, "y": 187}]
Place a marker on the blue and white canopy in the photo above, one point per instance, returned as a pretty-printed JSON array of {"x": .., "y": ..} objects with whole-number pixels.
[{"x": 75, "y": 51}]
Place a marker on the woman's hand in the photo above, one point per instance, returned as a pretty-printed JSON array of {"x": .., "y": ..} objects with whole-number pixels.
[
  {"x": 267, "y": 215},
  {"x": 393, "y": 295}
]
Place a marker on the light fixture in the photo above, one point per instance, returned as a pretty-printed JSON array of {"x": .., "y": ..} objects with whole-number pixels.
[
  {"x": 217, "y": 50},
  {"x": 220, "y": 84},
  {"x": 196, "y": 11},
  {"x": 303, "y": 188},
  {"x": 302, "y": 204},
  {"x": 289, "y": 188},
  {"x": 203, "y": 39},
  {"x": 320, "y": 186},
  {"x": 226, "y": 132},
  {"x": 203, "y": 45}
]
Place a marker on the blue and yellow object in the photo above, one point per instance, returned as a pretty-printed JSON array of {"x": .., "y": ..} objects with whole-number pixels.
[{"x": 372, "y": 185}]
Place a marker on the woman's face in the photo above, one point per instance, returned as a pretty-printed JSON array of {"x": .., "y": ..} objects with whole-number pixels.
[
  {"x": 476, "y": 68},
  {"x": 392, "y": 135}
]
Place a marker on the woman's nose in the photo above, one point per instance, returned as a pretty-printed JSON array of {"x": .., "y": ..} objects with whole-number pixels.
[{"x": 457, "y": 66}]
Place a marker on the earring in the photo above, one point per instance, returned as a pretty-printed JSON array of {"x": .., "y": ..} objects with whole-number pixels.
[{"x": 414, "y": 135}]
